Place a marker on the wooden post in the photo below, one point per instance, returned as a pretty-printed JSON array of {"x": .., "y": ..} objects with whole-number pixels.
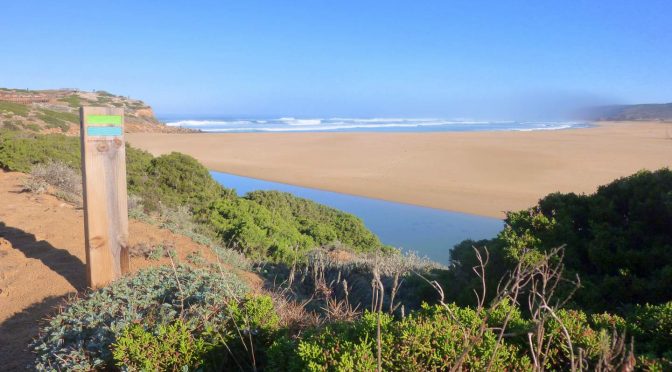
[{"x": 105, "y": 199}]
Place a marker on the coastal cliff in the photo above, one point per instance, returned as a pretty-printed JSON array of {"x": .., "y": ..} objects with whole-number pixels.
[
  {"x": 57, "y": 110},
  {"x": 642, "y": 112}
]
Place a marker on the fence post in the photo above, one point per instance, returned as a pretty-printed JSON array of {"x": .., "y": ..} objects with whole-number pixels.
[{"x": 105, "y": 199}]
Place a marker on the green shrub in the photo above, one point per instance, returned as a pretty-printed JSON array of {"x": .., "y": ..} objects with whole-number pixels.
[
  {"x": 20, "y": 151},
  {"x": 323, "y": 224},
  {"x": 10, "y": 125},
  {"x": 238, "y": 339},
  {"x": 436, "y": 337},
  {"x": 137, "y": 162},
  {"x": 280, "y": 225},
  {"x": 618, "y": 240},
  {"x": 177, "y": 179},
  {"x": 15, "y": 108},
  {"x": 254, "y": 230},
  {"x": 72, "y": 100},
  {"x": 429, "y": 339},
  {"x": 56, "y": 124},
  {"x": 79, "y": 337},
  {"x": 652, "y": 327},
  {"x": 171, "y": 347},
  {"x": 32, "y": 126},
  {"x": 57, "y": 119},
  {"x": 67, "y": 117},
  {"x": 59, "y": 175}
]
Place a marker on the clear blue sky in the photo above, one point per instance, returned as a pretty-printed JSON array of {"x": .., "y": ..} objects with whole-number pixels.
[{"x": 345, "y": 58}]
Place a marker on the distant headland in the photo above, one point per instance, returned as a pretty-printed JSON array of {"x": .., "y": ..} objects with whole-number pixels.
[{"x": 56, "y": 110}]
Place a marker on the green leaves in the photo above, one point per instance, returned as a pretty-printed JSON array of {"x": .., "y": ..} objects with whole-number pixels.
[
  {"x": 80, "y": 336},
  {"x": 20, "y": 151},
  {"x": 177, "y": 179},
  {"x": 276, "y": 225},
  {"x": 425, "y": 340},
  {"x": 171, "y": 347}
]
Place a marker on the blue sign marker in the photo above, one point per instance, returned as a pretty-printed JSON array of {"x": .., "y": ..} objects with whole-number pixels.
[{"x": 104, "y": 131}]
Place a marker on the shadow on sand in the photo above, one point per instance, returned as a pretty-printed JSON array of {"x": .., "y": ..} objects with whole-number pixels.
[
  {"x": 17, "y": 331},
  {"x": 59, "y": 260}
]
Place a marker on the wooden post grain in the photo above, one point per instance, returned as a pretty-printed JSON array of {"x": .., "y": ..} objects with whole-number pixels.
[{"x": 105, "y": 199}]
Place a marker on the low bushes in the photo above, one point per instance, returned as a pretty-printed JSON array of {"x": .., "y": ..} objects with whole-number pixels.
[
  {"x": 618, "y": 240},
  {"x": 59, "y": 175},
  {"x": 168, "y": 347},
  {"x": 186, "y": 319},
  {"x": 57, "y": 178},
  {"x": 14, "y": 108},
  {"x": 280, "y": 226},
  {"x": 324, "y": 225},
  {"x": 176, "y": 179},
  {"x": 652, "y": 326},
  {"x": 437, "y": 338},
  {"x": 236, "y": 337},
  {"x": 332, "y": 276},
  {"x": 20, "y": 151},
  {"x": 80, "y": 337},
  {"x": 428, "y": 340}
]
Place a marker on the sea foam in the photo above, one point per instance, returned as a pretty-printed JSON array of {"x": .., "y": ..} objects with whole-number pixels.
[{"x": 291, "y": 124}]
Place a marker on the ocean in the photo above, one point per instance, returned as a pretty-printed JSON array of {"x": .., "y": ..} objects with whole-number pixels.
[
  {"x": 291, "y": 124},
  {"x": 429, "y": 232}
]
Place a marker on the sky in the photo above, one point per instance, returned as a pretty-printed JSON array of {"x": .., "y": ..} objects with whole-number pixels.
[{"x": 454, "y": 59}]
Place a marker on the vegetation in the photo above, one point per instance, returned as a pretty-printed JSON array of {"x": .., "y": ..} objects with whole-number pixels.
[
  {"x": 618, "y": 241},
  {"x": 11, "y": 125},
  {"x": 21, "y": 151},
  {"x": 56, "y": 119},
  {"x": 81, "y": 336},
  {"x": 13, "y": 108},
  {"x": 432, "y": 339},
  {"x": 321, "y": 223},
  {"x": 177, "y": 179},
  {"x": 197, "y": 343},
  {"x": 65, "y": 181},
  {"x": 59, "y": 109},
  {"x": 185, "y": 319},
  {"x": 279, "y": 225},
  {"x": 72, "y": 100}
]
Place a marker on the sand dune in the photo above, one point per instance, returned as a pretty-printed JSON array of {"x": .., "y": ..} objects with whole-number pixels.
[{"x": 483, "y": 173}]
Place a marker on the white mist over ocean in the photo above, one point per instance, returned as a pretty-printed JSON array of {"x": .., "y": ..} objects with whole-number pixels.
[{"x": 291, "y": 124}]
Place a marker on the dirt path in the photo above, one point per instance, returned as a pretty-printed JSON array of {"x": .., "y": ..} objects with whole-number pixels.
[{"x": 42, "y": 261}]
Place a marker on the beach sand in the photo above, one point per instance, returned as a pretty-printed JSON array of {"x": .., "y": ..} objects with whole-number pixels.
[{"x": 484, "y": 173}]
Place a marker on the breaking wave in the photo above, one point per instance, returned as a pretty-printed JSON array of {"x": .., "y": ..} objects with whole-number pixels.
[{"x": 290, "y": 124}]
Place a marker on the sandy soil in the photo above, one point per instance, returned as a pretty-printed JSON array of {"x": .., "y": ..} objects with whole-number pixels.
[
  {"x": 42, "y": 261},
  {"x": 483, "y": 173}
]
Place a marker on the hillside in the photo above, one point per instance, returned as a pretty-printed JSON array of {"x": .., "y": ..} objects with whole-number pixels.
[
  {"x": 652, "y": 111},
  {"x": 42, "y": 260},
  {"x": 56, "y": 111}
]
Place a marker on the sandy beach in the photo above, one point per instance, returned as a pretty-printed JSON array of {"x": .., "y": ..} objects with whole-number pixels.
[{"x": 484, "y": 173}]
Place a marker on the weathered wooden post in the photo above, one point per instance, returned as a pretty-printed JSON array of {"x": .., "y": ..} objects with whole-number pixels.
[{"x": 105, "y": 199}]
